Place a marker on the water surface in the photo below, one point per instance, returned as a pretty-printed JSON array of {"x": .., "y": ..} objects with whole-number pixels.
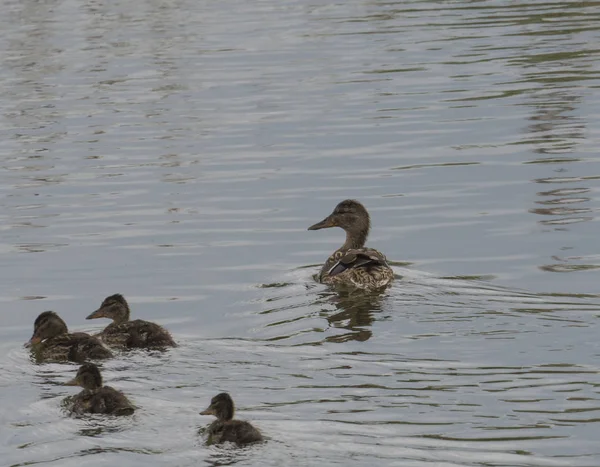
[{"x": 176, "y": 152}]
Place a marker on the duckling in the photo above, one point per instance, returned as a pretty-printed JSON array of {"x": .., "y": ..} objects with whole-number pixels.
[
  {"x": 224, "y": 428},
  {"x": 52, "y": 342},
  {"x": 352, "y": 263},
  {"x": 127, "y": 334},
  {"x": 96, "y": 398}
]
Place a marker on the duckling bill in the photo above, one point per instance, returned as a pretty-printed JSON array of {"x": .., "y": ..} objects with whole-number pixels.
[
  {"x": 52, "y": 342},
  {"x": 353, "y": 264},
  {"x": 125, "y": 334},
  {"x": 96, "y": 398},
  {"x": 224, "y": 428}
]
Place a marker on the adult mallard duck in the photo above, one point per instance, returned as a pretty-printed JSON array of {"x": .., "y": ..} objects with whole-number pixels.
[
  {"x": 352, "y": 263},
  {"x": 224, "y": 428},
  {"x": 52, "y": 342},
  {"x": 96, "y": 398},
  {"x": 127, "y": 334}
]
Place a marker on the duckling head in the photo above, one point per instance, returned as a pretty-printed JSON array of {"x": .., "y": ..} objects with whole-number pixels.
[
  {"x": 48, "y": 324},
  {"x": 221, "y": 406},
  {"x": 88, "y": 377},
  {"x": 114, "y": 307}
]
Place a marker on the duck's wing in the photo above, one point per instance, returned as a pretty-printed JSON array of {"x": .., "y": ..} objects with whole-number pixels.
[
  {"x": 138, "y": 334},
  {"x": 358, "y": 258},
  {"x": 240, "y": 432},
  {"x": 150, "y": 335},
  {"x": 109, "y": 400},
  {"x": 248, "y": 433},
  {"x": 115, "y": 335}
]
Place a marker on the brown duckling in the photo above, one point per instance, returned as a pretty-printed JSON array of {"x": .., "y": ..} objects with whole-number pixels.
[
  {"x": 224, "y": 428},
  {"x": 96, "y": 398},
  {"x": 352, "y": 263},
  {"x": 52, "y": 342},
  {"x": 127, "y": 334}
]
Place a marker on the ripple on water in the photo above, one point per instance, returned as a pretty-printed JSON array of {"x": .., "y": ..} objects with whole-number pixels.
[{"x": 175, "y": 152}]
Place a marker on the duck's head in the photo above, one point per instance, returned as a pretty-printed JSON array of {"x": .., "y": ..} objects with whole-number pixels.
[
  {"x": 221, "y": 406},
  {"x": 48, "y": 324},
  {"x": 88, "y": 377},
  {"x": 351, "y": 216},
  {"x": 114, "y": 307}
]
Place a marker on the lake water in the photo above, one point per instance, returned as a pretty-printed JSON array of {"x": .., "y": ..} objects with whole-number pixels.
[{"x": 176, "y": 152}]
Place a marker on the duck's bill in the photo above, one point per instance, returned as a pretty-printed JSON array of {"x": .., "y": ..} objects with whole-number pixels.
[
  {"x": 34, "y": 340},
  {"x": 208, "y": 411},
  {"x": 324, "y": 224},
  {"x": 99, "y": 313},
  {"x": 73, "y": 382}
]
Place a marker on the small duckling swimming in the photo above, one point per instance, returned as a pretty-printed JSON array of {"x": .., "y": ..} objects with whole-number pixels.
[
  {"x": 126, "y": 334},
  {"x": 224, "y": 428},
  {"x": 96, "y": 398},
  {"x": 352, "y": 263},
  {"x": 52, "y": 342}
]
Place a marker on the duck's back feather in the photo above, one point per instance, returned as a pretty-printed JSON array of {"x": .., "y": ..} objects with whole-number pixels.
[
  {"x": 235, "y": 431},
  {"x": 75, "y": 347},
  {"x": 105, "y": 400},
  {"x": 137, "y": 334},
  {"x": 355, "y": 258},
  {"x": 363, "y": 268}
]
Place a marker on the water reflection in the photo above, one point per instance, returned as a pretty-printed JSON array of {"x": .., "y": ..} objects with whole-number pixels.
[
  {"x": 557, "y": 128},
  {"x": 356, "y": 311},
  {"x": 176, "y": 147},
  {"x": 224, "y": 455},
  {"x": 556, "y": 131},
  {"x": 97, "y": 426}
]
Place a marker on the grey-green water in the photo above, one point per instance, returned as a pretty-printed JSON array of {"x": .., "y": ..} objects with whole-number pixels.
[{"x": 176, "y": 152}]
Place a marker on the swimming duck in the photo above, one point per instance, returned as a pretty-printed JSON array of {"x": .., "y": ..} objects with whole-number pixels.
[
  {"x": 52, "y": 342},
  {"x": 129, "y": 334},
  {"x": 352, "y": 263},
  {"x": 224, "y": 428},
  {"x": 96, "y": 398}
]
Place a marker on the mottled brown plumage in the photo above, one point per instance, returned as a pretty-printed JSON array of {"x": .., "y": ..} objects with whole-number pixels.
[
  {"x": 352, "y": 263},
  {"x": 52, "y": 342},
  {"x": 126, "y": 334},
  {"x": 224, "y": 428},
  {"x": 96, "y": 398}
]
